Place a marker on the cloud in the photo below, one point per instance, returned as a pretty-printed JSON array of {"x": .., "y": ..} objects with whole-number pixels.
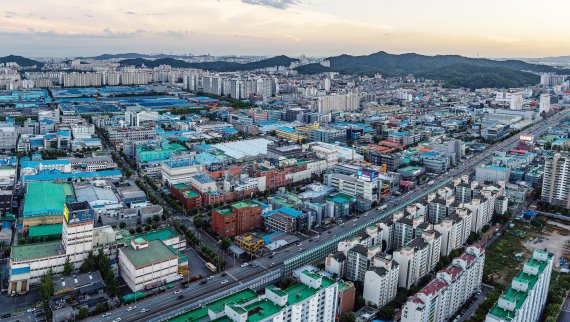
[{"x": 278, "y": 4}]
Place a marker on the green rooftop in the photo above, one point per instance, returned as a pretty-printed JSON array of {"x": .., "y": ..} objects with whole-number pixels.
[
  {"x": 225, "y": 211},
  {"x": 45, "y": 230},
  {"x": 155, "y": 252},
  {"x": 46, "y": 197},
  {"x": 34, "y": 251},
  {"x": 161, "y": 234},
  {"x": 519, "y": 297},
  {"x": 264, "y": 309},
  {"x": 201, "y": 314},
  {"x": 243, "y": 204}
]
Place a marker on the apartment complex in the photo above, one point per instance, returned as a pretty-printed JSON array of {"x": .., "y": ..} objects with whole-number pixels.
[
  {"x": 556, "y": 180},
  {"x": 452, "y": 287},
  {"x": 525, "y": 298}
]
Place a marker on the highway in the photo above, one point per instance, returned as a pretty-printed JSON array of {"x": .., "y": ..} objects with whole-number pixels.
[{"x": 162, "y": 304}]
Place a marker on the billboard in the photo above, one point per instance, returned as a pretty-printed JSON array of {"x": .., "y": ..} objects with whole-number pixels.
[
  {"x": 74, "y": 216},
  {"x": 367, "y": 175}
]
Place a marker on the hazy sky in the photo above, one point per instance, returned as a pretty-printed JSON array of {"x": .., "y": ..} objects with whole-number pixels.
[{"x": 486, "y": 28}]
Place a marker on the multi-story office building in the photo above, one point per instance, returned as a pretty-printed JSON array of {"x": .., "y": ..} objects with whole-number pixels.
[
  {"x": 179, "y": 171},
  {"x": 120, "y": 135},
  {"x": 452, "y": 287},
  {"x": 238, "y": 218},
  {"x": 525, "y": 298},
  {"x": 556, "y": 181},
  {"x": 367, "y": 188},
  {"x": 147, "y": 263},
  {"x": 28, "y": 263}
]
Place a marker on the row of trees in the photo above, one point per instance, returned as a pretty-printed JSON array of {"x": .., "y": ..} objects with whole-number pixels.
[
  {"x": 101, "y": 262},
  {"x": 205, "y": 251}
]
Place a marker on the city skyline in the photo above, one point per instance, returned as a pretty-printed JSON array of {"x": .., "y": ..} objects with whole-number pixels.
[{"x": 291, "y": 27}]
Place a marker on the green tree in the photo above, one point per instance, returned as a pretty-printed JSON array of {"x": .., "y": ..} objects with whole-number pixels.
[
  {"x": 7, "y": 251},
  {"x": 198, "y": 221},
  {"x": 225, "y": 243},
  {"x": 122, "y": 225},
  {"x": 83, "y": 313},
  {"x": 347, "y": 317},
  {"x": 67, "y": 267}
]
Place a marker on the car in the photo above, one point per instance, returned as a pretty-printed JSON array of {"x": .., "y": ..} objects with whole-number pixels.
[
  {"x": 186, "y": 286},
  {"x": 180, "y": 297},
  {"x": 104, "y": 315},
  {"x": 328, "y": 232},
  {"x": 353, "y": 225},
  {"x": 224, "y": 282},
  {"x": 310, "y": 239},
  {"x": 224, "y": 274},
  {"x": 365, "y": 215},
  {"x": 130, "y": 308},
  {"x": 355, "y": 219},
  {"x": 177, "y": 291},
  {"x": 117, "y": 320},
  {"x": 203, "y": 282},
  {"x": 287, "y": 250},
  {"x": 7, "y": 315},
  {"x": 145, "y": 310},
  {"x": 299, "y": 245},
  {"x": 30, "y": 310},
  {"x": 210, "y": 277},
  {"x": 270, "y": 256},
  {"x": 244, "y": 264}
]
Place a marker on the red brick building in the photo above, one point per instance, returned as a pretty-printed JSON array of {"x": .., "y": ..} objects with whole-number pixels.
[
  {"x": 189, "y": 198},
  {"x": 346, "y": 297},
  {"x": 238, "y": 218}
]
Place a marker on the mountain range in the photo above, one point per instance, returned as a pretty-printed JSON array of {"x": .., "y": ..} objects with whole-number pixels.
[
  {"x": 22, "y": 61},
  {"x": 219, "y": 66},
  {"x": 453, "y": 70}
]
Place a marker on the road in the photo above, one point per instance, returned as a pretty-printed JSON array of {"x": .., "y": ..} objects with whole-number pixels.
[
  {"x": 163, "y": 303},
  {"x": 565, "y": 311}
]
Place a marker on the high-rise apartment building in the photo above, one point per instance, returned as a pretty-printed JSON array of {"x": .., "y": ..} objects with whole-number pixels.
[
  {"x": 556, "y": 180},
  {"x": 525, "y": 298},
  {"x": 453, "y": 286}
]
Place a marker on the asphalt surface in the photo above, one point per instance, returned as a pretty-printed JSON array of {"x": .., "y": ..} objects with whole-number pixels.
[
  {"x": 485, "y": 289},
  {"x": 565, "y": 311},
  {"x": 161, "y": 304}
]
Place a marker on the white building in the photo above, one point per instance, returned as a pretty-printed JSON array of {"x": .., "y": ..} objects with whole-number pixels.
[
  {"x": 556, "y": 181},
  {"x": 179, "y": 171},
  {"x": 368, "y": 189},
  {"x": 525, "y": 298},
  {"x": 381, "y": 281},
  {"x": 28, "y": 263},
  {"x": 147, "y": 263},
  {"x": 441, "y": 298},
  {"x": 314, "y": 299},
  {"x": 544, "y": 104}
]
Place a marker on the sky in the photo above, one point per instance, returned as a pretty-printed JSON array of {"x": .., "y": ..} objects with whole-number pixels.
[{"x": 482, "y": 28}]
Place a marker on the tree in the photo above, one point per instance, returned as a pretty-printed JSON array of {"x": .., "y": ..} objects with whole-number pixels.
[
  {"x": 67, "y": 267},
  {"x": 225, "y": 243},
  {"x": 286, "y": 282},
  {"x": 83, "y": 313},
  {"x": 7, "y": 250},
  {"x": 347, "y": 317},
  {"x": 198, "y": 221},
  {"x": 122, "y": 225}
]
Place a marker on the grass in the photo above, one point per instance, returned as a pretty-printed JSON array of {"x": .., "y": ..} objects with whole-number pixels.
[{"x": 501, "y": 265}]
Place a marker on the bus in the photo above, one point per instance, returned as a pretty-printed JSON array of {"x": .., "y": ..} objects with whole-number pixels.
[{"x": 211, "y": 267}]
